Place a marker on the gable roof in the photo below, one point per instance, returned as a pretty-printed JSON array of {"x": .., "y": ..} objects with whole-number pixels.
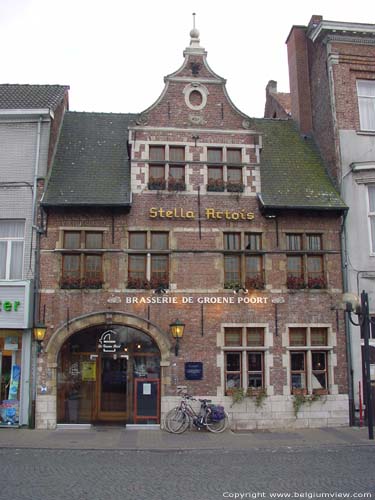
[
  {"x": 292, "y": 172},
  {"x": 91, "y": 166},
  {"x": 31, "y": 96}
]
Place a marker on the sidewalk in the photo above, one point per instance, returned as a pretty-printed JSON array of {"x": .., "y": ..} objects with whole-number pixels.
[{"x": 120, "y": 438}]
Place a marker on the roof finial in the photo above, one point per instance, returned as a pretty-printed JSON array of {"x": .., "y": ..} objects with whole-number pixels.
[{"x": 194, "y": 34}]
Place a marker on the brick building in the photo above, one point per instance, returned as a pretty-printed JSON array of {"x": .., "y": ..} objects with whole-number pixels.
[
  {"x": 332, "y": 84},
  {"x": 190, "y": 211}
]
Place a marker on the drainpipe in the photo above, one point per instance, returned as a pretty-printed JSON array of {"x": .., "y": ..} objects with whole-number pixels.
[{"x": 36, "y": 269}]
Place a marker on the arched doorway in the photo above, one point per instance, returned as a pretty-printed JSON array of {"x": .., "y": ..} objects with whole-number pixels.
[{"x": 108, "y": 374}]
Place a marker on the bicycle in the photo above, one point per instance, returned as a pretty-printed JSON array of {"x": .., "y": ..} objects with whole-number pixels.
[{"x": 212, "y": 417}]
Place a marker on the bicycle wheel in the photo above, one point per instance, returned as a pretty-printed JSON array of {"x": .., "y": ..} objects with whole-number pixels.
[
  {"x": 176, "y": 421},
  {"x": 217, "y": 425}
]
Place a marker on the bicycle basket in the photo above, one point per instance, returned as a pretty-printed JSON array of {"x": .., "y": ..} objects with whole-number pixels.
[{"x": 217, "y": 413}]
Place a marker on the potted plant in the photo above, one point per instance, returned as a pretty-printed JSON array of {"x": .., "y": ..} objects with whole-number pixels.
[
  {"x": 70, "y": 282},
  {"x": 136, "y": 283},
  {"x": 254, "y": 282},
  {"x": 158, "y": 184},
  {"x": 295, "y": 282},
  {"x": 176, "y": 184},
  {"x": 316, "y": 283},
  {"x": 93, "y": 283},
  {"x": 160, "y": 281},
  {"x": 216, "y": 185},
  {"x": 235, "y": 187}
]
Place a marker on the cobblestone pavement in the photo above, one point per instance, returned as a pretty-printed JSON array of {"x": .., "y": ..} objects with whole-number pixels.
[{"x": 59, "y": 474}]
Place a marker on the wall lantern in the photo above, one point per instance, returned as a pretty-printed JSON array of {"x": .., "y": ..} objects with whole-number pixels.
[
  {"x": 39, "y": 334},
  {"x": 360, "y": 308},
  {"x": 177, "y": 331}
]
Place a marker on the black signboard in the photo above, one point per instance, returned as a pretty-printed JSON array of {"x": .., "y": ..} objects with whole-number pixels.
[{"x": 194, "y": 370}]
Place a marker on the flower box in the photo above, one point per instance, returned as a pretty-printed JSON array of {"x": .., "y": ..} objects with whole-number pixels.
[
  {"x": 295, "y": 282},
  {"x": 156, "y": 184},
  {"x": 176, "y": 185},
  {"x": 235, "y": 187},
  {"x": 216, "y": 186},
  {"x": 255, "y": 282},
  {"x": 299, "y": 391},
  {"x": 317, "y": 283}
]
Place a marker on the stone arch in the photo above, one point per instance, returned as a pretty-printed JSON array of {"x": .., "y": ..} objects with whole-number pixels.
[{"x": 60, "y": 335}]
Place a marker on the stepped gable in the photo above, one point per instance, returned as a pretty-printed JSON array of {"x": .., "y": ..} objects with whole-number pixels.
[{"x": 91, "y": 166}]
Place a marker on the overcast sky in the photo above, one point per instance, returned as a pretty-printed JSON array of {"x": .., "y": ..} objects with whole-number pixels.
[{"x": 115, "y": 53}]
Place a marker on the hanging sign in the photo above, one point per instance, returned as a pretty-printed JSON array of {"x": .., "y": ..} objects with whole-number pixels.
[{"x": 108, "y": 342}]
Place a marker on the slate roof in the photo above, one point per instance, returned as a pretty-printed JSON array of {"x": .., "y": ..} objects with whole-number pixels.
[
  {"x": 31, "y": 96},
  {"x": 292, "y": 172},
  {"x": 91, "y": 165}
]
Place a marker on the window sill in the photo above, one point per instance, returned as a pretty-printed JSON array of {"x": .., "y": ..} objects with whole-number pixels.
[{"x": 365, "y": 132}]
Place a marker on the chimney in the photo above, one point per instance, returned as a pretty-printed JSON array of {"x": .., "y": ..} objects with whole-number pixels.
[{"x": 299, "y": 81}]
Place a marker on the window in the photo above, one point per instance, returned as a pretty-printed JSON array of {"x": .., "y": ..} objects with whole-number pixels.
[
  {"x": 303, "y": 267},
  {"x": 149, "y": 267},
  {"x": 12, "y": 234},
  {"x": 243, "y": 266},
  {"x": 309, "y": 360},
  {"x": 83, "y": 267},
  {"x": 166, "y": 168},
  {"x": 244, "y": 366},
  {"x": 366, "y": 104},
  {"x": 224, "y": 170}
]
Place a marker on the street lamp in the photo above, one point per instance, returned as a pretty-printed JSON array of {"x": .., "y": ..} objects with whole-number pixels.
[
  {"x": 361, "y": 309},
  {"x": 39, "y": 334},
  {"x": 177, "y": 331}
]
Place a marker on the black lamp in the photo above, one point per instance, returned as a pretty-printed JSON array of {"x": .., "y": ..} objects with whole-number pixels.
[
  {"x": 177, "y": 331},
  {"x": 39, "y": 334}
]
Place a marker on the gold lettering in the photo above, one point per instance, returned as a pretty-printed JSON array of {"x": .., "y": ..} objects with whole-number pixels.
[
  {"x": 190, "y": 214},
  {"x": 161, "y": 212},
  {"x": 153, "y": 212},
  {"x": 170, "y": 213},
  {"x": 235, "y": 215},
  {"x": 210, "y": 213},
  {"x": 250, "y": 216}
]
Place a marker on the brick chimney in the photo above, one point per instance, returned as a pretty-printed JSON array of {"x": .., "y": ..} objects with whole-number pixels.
[{"x": 299, "y": 77}]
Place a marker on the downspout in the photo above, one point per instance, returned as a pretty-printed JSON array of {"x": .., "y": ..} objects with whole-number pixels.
[{"x": 36, "y": 269}]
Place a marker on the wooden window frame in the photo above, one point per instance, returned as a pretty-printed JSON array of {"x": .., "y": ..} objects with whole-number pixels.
[
  {"x": 223, "y": 183},
  {"x": 83, "y": 280},
  {"x": 309, "y": 349},
  {"x": 166, "y": 181},
  {"x": 152, "y": 279},
  {"x": 243, "y": 350},
  {"x": 305, "y": 278},
  {"x": 242, "y": 251}
]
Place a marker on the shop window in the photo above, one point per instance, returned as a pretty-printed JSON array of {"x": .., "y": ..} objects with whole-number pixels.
[
  {"x": 10, "y": 377},
  {"x": 12, "y": 234},
  {"x": 243, "y": 261},
  {"x": 149, "y": 268},
  {"x": 82, "y": 259},
  {"x": 304, "y": 269},
  {"x": 167, "y": 168},
  {"x": 224, "y": 170},
  {"x": 309, "y": 353},
  {"x": 244, "y": 367},
  {"x": 366, "y": 104}
]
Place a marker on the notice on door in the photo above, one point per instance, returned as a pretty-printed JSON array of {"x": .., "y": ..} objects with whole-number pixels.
[
  {"x": 147, "y": 389},
  {"x": 89, "y": 371}
]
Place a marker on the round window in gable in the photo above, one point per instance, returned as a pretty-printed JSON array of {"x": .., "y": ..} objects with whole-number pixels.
[{"x": 195, "y": 98}]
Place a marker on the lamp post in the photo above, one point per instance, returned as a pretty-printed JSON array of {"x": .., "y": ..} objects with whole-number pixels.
[
  {"x": 364, "y": 322},
  {"x": 177, "y": 331}
]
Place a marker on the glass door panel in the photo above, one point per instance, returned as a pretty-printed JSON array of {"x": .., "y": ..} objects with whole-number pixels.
[{"x": 113, "y": 387}]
